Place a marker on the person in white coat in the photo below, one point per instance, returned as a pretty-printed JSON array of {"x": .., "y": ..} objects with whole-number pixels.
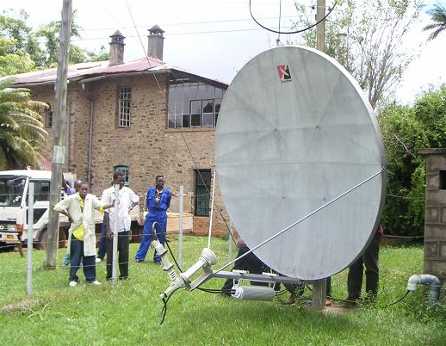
[
  {"x": 117, "y": 220},
  {"x": 80, "y": 210}
]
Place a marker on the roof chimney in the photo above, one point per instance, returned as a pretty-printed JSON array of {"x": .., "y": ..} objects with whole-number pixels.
[
  {"x": 116, "y": 49},
  {"x": 155, "y": 42}
]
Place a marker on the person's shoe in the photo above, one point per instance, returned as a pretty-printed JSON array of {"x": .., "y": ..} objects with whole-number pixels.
[
  {"x": 95, "y": 283},
  {"x": 98, "y": 260},
  {"x": 73, "y": 283},
  {"x": 139, "y": 260},
  {"x": 123, "y": 278}
]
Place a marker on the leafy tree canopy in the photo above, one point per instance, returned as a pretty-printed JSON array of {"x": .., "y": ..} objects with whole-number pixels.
[
  {"x": 406, "y": 130},
  {"x": 24, "y": 49}
]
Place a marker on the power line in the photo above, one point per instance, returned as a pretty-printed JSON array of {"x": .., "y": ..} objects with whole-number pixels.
[
  {"x": 188, "y": 23},
  {"x": 175, "y": 34},
  {"x": 289, "y": 32}
]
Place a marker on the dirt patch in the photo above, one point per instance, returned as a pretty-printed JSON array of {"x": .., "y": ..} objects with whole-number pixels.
[
  {"x": 26, "y": 305},
  {"x": 337, "y": 309}
]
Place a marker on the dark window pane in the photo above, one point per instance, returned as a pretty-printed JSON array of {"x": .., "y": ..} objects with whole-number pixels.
[
  {"x": 186, "y": 120},
  {"x": 41, "y": 191},
  {"x": 50, "y": 118},
  {"x": 202, "y": 189},
  {"x": 217, "y": 106},
  {"x": 195, "y": 120},
  {"x": 442, "y": 180},
  {"x": 208, "y": 106},
  {"x": 38, "y": 212}
]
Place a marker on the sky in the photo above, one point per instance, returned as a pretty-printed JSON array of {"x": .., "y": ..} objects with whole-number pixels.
[{"x": 214, "y": 38}]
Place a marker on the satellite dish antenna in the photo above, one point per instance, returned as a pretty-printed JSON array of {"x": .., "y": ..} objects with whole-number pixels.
[{"x": 295, "y": 133}]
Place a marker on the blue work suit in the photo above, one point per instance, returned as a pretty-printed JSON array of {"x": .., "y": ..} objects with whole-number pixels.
[{"x": 157, "y": 212}]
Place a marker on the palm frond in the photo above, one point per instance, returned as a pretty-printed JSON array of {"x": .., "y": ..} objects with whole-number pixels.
[
  {"x": 19, "y": 148},
  {"x": 438, "y": 17},
  {"x": 22, "y": 133}
]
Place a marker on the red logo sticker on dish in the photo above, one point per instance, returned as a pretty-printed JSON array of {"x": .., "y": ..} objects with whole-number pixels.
[{"x": 284, "y": 73}]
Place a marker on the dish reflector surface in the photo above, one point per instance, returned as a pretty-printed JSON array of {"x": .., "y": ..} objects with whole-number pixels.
[{"x": 295, "y": 132}]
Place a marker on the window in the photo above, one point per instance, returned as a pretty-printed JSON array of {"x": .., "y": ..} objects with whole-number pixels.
[
  {"x": 442, "y": 180},
  {"x": 124, "y": 170},
  {"x": 193, "y": 105},
  {"x": 124, "y": 107},
  {"x": 195, "y": 113},
  {"x": 49, "y": 116},
  {"x": 202, "y": 191},
  {"x": 207, "y": 107},
  {"x": 41, "y": 190}
]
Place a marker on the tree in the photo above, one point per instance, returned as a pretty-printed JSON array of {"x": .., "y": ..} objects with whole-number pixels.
[
  {"x": 438, "y": 17},
  {"x": 13, "y": 61},
  {"x": 50, "y": 34},
  {"x": 23, "y": 50},
  {"x": 367, "y": 38},
  {"x": 102, "y": 55},
  {"x": 19, "y": 49},
  {"x": 21, "y": 129},
  {"x": 405, "y": 131}
]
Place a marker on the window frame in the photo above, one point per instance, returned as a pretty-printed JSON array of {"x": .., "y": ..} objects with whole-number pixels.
[
  {"x": 200, "y": 182},
  {"x": 204, "y": 103},
  {"x": 195, "y": 114},
  {"x": 177, "y": 116},
  {"x": 120, "y": 121}
]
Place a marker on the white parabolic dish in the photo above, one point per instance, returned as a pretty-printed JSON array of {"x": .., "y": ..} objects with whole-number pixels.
[{"x": 295, "y": 132}]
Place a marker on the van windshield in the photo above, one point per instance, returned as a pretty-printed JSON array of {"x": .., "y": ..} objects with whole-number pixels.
[{"x": 11, "y": 190}]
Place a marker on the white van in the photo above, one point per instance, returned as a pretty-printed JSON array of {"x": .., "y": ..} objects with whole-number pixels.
[{"x": 14, "y": 203}]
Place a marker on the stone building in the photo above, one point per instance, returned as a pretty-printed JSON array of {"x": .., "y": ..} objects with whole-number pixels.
[{"x": 144, "y": 117}]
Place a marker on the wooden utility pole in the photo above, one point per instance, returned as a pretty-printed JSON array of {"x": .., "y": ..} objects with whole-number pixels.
[
  {"x": 60, "y": 130},
  {"x": 320, "y": 28},
  {"x": 320, "y": 286}
]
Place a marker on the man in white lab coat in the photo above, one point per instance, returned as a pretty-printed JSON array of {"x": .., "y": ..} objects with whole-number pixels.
[
  {"x": 80, "y": 210},
  {"x": 117, "y": 219}
]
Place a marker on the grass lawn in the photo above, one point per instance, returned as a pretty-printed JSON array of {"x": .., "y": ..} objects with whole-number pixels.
[{"x": 129, "y": 313}]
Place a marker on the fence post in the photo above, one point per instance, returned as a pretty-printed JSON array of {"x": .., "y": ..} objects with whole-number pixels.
[
  {"x": 180, "y": 228},
  {"x": 29, "y": 273}
]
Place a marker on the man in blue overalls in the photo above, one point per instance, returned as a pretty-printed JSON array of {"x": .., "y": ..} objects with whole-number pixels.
[{"x": 158, "y": 201}]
